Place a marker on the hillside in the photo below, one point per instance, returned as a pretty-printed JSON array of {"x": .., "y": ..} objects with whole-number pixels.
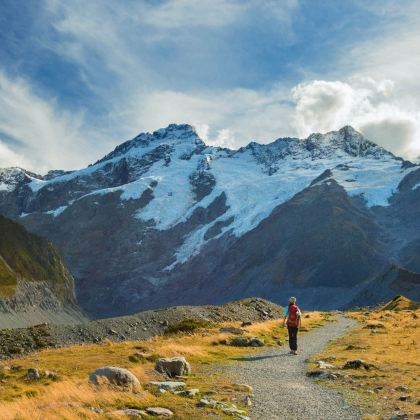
[
  {"x": 165, "y": 219},
  {"x": 394, "y": 281},
  {"x": 35, "y": 285}
]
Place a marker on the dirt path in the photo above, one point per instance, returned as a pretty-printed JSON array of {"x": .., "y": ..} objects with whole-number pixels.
[{"x": 282, "y": 389}]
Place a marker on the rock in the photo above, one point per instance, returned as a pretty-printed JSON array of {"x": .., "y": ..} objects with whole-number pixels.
[
  {"x": 175, "y": 366},
  {"x": 239, "y": 342},
  {"x": 247, "y": 401},
  {"x": 323, "y": 365},
  {"x": 188, "y": 392},
  {"x": 231, "y": 411},
  {"x": 169, "y": 385},
  {"x": 232, "y": 330},
  {"x": 370, "y": 391},
  {"x": 401, "y": 388},
  {"x": 159, "y": 412},
  {"x": 357, "y": 364},
  {"x": 246, "y": 324},
  {"x": 243, "y": 387},
  {"x": 256, "y": 342},
  {"x": 33, "y": 374},
  {"x": 404, "y": 397},
  {"x": 114, "y": 375},
  {"x": 50, "y": 374},
  {"x": 247, "y": 342},
  {"x": 321, "y": 374},
  {"x": 279, "y": 342},
  {"x": 129, "y": 412},
  {"x": 207, "y": 402},
  {"x": 164, "y": 323}
]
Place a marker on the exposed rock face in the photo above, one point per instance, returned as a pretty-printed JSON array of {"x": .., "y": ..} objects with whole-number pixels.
[
  {"x": 165, "y": 219},
  {"x": 35, "y": 286}
]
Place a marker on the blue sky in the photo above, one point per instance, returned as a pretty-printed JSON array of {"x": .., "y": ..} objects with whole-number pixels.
[{"x": 79, "y": 77}]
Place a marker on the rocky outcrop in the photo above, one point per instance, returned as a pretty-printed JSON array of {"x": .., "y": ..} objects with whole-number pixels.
[{"x": 35, "y": 285}]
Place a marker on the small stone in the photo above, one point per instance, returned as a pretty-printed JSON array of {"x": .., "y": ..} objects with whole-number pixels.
[
  {"x": 404, "y": 397},
  {"x": 323, "y": 365},
  {"x": 256, "y": 342},
  {"x": 246, "y": 324},
  {"x": 188, "y": 392},
  {"x": 401, "y": 388},
  {"x": 129, "y": 412},
  {"x": 370, "y": 391},
  {"x": 33, "y": 374},
  {"x": 247, "y": 401},
  {"x": 169, "y": 385},
  {"x": 357, "y": 364},
  {"x": 159, "y": 412},
  {"x": 50, "y": 374},
  {"x": 207, "y": 402}
]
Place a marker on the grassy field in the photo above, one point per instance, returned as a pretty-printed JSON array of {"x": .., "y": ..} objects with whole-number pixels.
[
  {"x": 389, "y": 340},
  {"x": 69, "y": 396}
]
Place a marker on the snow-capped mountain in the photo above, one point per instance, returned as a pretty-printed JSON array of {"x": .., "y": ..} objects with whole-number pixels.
[{"x": 166, "y": 219}]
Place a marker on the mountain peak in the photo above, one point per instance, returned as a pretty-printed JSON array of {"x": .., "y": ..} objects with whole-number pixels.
[{"x": 172, "y": 134}]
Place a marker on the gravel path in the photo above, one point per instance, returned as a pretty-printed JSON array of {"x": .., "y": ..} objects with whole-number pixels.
[{"x": 282, "y": 389}]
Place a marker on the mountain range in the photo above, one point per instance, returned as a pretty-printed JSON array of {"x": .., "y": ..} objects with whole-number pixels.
[{"x": 165, "y": 219}]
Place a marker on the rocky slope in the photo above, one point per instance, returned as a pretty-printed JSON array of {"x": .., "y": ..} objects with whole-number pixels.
[
  {"x": 165, "y": 219},
  {"x": 140, "y": 326},
  {"x": 395, "y": 280},
  {"x": 35, "y": 286}
]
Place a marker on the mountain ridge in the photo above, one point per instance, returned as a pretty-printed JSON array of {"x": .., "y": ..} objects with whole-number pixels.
[{"x": 161, "y": 210}]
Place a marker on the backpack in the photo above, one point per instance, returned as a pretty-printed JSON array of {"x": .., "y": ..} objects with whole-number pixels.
[{"x": 293, "y": 318}]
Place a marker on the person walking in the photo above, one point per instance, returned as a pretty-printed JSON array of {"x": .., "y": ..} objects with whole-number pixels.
[{"x": 292, "y": 318}]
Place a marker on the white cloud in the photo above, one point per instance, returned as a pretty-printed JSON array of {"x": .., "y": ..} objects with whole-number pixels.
[
  {"x": 229, "y": 118},
  {"x": 43, "y": 136},
  {"x": 370, "y": 106},
  {"x": 10, "y": 158}
]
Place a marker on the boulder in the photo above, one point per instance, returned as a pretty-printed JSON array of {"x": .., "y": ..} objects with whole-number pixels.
[
  {"x": 33, "y": 374},
  {"x": 159, "y": 412},
  {"x": 246, "y": 324},
  {"x": 114, "y": 375},
  {"x": 175, "y": 366}
]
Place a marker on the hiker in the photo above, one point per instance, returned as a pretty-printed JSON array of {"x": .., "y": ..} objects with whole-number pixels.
[{"x": 292, "y": 318}]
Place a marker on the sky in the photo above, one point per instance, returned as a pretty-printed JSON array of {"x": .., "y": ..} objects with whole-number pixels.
[{"x": 79, "y": 77}]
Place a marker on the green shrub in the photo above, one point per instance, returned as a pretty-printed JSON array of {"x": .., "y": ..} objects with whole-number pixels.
[{"x": 187, "y": 325}]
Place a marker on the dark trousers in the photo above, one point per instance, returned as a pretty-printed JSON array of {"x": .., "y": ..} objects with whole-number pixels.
[{"x": 293, "y": 332}]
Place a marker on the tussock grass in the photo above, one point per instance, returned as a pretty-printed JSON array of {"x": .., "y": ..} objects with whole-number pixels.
[
  {"x": 394, "y": 351},
  {"x": 71, "y": 397}
]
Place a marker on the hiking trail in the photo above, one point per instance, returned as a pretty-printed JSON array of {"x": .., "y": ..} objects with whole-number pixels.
[{"x": 281, "y": 388}]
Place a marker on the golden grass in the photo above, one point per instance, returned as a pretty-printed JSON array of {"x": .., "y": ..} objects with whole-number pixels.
[
  {"x": 71, "y": 397},
  {"x": 394, "y": 351}
]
